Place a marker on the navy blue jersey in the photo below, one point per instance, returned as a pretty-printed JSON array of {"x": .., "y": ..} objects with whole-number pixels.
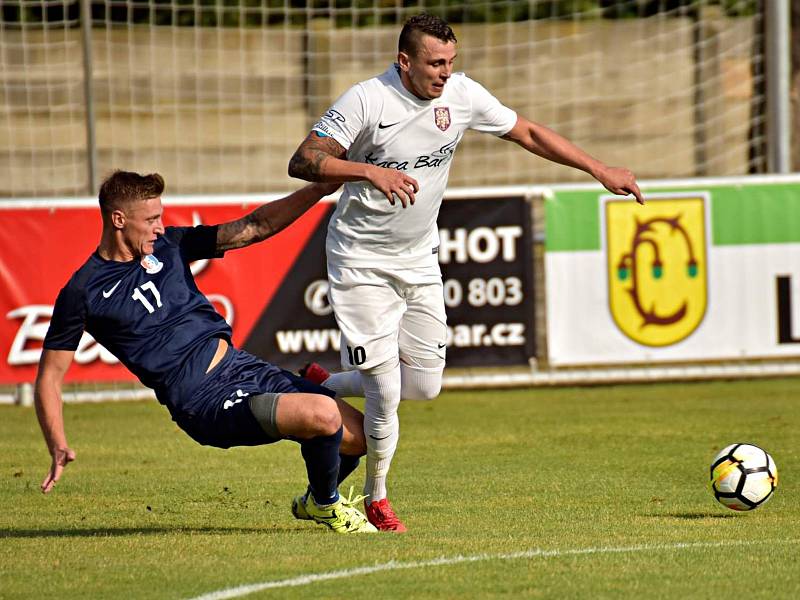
[{"x": 148, "y": 313}]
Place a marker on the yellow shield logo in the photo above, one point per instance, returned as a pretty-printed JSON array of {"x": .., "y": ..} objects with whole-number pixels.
[{"x": 657, "y": 267}]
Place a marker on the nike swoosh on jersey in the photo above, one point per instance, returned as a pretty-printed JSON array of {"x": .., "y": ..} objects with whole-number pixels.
[
  {"x": 107, "y": 294},
  {"x": 382, "y": 126},
  {"x": 379, "y": 438}
]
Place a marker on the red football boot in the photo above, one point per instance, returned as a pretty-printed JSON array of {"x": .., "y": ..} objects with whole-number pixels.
[
  {"x": 380, "y": 514},
  {"x": 315, "y": 373}
]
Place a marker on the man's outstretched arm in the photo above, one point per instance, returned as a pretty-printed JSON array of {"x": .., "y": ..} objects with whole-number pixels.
[
  {"x": 268, "y": 219},
  {"x": 53, "y": 365},
  {"x": 546, "y": 143},
  {"x": 322, "y": 158}
]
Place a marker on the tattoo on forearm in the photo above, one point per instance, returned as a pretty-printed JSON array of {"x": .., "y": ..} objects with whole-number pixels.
[
  {"x": 299, "y": 167},
  {"x": 316, "y": 158},
  {"x": 251, "y": 228},
  {"x": 307, "y": 161}
]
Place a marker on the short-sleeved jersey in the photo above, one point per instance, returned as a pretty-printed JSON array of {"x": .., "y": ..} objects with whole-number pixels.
[
  {"x": 148, "y": 313},
  {"x": 380, "y": 122}
]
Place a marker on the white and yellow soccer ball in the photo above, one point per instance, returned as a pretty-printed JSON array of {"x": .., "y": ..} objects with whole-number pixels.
[{"x": 743, "y": 476}]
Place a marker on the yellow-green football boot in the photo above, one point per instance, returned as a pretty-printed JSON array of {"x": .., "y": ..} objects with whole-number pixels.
[{"x": 341, "y": 516}]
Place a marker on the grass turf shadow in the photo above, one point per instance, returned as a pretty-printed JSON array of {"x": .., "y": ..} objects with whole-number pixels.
[
  {"x": 131, "y": 531},
  {"x": 692, "y": 515}
]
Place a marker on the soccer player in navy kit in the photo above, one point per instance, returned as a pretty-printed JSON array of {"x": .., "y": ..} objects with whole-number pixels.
[
  {"x": 137, "y": 297},
  {"x": 393, "y": 137}
]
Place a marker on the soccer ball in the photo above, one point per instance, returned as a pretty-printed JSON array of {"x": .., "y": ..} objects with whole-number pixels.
[{"x": 743, "y": 476}]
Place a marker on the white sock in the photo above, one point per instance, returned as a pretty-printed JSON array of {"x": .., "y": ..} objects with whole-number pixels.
[
  {"x": 346, "y": 384},
  {"x": 420, "y": 383},
  {"x": 382, "y": 428}
]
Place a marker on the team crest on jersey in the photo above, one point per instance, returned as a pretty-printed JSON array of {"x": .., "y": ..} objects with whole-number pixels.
[
  {"x": 151, "y": 264},
  {"x": 441, "y": 115}
]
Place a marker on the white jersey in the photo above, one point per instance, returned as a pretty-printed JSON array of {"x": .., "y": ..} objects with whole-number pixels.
[{"x": 380, "y": 122}]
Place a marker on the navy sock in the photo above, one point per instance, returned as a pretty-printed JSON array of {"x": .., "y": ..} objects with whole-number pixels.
[
  {"x": 347, "y": 465},
  {"x": 322, "y": 464}
]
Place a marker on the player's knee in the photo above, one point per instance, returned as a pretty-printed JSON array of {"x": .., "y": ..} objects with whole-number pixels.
[
  {"x": 382, "y": 367},
  {"x": 323, "y": 416},
  {"x": 420, "y": 383},
  {"x": 417, "y": 392}
]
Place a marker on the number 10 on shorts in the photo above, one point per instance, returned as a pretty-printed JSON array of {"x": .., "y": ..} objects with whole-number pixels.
[{"x": 356, "y": 355}]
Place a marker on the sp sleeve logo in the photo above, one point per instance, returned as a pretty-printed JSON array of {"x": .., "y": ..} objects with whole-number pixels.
[{"x": 657, "y": 267}]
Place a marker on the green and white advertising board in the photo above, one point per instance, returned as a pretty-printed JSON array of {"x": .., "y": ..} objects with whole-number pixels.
[{"x": 706, "y": 270}]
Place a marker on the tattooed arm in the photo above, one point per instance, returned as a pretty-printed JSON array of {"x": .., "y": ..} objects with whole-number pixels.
[
  {"x": 268, "y": 219},
  {"x": 318, "y": 158},
  {"x": 322, "y": 158}
]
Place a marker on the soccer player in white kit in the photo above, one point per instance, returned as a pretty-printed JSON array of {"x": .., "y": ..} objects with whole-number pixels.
[{"x": 392, "y": 138}]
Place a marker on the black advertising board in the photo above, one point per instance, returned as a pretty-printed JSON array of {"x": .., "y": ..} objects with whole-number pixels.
[{"x": 487, "y": 269}]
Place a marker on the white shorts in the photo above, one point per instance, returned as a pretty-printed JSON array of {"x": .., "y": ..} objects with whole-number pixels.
[{"x": 389, "y": 314}]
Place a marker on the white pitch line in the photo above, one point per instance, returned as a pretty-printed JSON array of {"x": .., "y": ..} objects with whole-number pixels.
[{"x": 243, "y": 590}]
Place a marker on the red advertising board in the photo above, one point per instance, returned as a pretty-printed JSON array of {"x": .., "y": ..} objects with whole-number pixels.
[{"x": 40, "y": 248}]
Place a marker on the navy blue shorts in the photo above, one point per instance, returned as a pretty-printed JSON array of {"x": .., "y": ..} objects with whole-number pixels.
[{"x": 219, "y": 413}]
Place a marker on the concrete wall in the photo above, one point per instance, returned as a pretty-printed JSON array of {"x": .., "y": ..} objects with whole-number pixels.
[{"x": 220, "y": 111}]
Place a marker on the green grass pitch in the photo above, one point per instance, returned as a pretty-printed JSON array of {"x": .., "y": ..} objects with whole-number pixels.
[{"x": 546, "y": 493}]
